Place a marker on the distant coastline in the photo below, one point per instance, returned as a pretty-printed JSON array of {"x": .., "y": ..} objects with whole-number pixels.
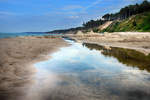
[{"x": 12, "y": 35}]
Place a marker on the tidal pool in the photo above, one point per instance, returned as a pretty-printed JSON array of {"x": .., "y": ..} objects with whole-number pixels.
[{"x": 92, "y": 72}]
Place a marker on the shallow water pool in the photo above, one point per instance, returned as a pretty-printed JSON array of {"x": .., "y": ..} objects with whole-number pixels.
[{"x": 92, "y": 72}]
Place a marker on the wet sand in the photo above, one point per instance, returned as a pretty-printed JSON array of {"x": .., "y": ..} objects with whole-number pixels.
[
  {"x": 17, "y": 56},
  {"x": 139, "y": 41}
]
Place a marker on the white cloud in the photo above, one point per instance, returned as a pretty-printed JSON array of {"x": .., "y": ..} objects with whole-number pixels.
[
  {"x": 92, "y": 4},
  {"x": 72, "y": 7},
  {"x": 81, "y": 8},
  {"x": 74, "y": 17},
  {"x": 6, "y": 13}
]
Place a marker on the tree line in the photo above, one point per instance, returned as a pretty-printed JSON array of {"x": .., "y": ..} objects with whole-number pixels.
[
  {"x": 93, "y": 23},
  {"x": 124, "y": 13}
]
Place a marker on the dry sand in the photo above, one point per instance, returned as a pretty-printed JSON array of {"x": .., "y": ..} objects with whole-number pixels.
[
  {"x": 17, "y": 56},
  {"x": 105, "y": 25},
  {"x": 139, "y": 41}
]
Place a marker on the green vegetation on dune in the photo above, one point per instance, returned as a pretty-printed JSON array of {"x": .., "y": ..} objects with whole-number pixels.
[{"x": 139, "y": 23}]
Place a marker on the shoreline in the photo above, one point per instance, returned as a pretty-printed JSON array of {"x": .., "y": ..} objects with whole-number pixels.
[
  {"x": 107, "y": 45},
  {"x": 17, "y": 59},
  {"x": 139, "y": 41}
]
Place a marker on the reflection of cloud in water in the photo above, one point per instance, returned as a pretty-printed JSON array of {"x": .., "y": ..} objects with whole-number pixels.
[
  {"x": 44, "y": 83},
  {"x": 77, "y": 73},
  {"x": 136, "y": 78}
]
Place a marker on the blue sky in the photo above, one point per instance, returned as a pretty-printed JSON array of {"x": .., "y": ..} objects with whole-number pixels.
[{"x": 46, "y": 15}]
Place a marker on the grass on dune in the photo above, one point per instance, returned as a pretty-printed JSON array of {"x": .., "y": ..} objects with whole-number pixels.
[{"x": 138, "y": 23}]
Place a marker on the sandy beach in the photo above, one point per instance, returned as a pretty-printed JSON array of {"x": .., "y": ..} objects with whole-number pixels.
[
  {"x": 18, "y": 74},
  {"x": 17, "y": 56},
  {"x": 139, "y": 41}
]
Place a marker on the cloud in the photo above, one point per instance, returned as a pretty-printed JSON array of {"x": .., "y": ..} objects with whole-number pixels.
[
  {"x": 92, "y": 4},
  {"x": 81, "y": 8},
  {"x": 6, "y": 13},
  {"x": 74, "y": 17},
  {"x": 72, "y": 7}
]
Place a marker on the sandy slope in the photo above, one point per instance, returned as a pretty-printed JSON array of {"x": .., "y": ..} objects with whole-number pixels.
[
  {"x": 16, "y": 58},
  {"x": 139, "y": 41},
  {"x": 105, "y": 25}
]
